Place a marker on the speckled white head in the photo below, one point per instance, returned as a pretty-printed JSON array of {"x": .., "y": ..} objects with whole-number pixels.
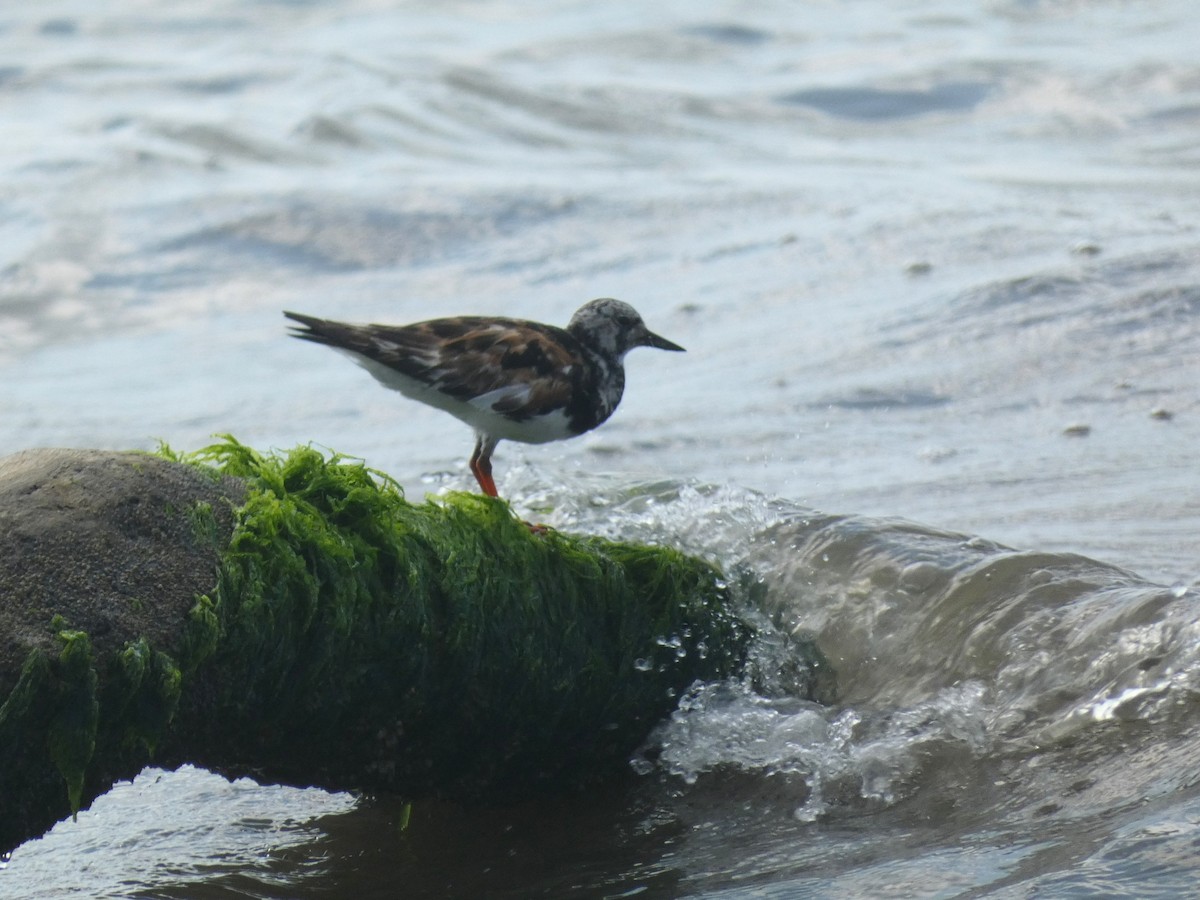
[{"x": 613, "y": 328}]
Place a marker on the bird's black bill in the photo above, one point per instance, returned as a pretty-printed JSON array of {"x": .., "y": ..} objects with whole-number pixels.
[{"x": 660, "y": 343}]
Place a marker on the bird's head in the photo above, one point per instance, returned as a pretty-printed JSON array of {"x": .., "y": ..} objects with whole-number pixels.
[{"x": 613, "y": 328}]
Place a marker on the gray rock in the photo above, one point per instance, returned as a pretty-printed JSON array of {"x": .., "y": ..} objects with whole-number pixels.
[{"x": 114, "y": 544}]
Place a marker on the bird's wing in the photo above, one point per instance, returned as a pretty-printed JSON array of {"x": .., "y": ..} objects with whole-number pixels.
[{"x": 511, "y": 366}]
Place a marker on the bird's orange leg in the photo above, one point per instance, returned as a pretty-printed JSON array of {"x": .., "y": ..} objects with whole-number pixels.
[
  {"x": 481, "y": 468},
  {"x": 481, "y": 464}
]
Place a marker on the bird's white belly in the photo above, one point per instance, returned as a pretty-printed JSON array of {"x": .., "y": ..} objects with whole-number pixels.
[
  {"x": 552, "y": 426},
  {"x": 478, "y": 413}
]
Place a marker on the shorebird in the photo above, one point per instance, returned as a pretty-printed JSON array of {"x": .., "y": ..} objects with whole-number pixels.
[{"x": 509, "y": 379}]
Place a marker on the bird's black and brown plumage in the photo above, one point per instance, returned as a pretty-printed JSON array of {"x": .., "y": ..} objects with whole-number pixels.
[{"x": 509, "y": 379}]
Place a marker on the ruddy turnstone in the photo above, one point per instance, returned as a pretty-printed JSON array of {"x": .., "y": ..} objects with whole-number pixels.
[{"x": 509, "y": 379}]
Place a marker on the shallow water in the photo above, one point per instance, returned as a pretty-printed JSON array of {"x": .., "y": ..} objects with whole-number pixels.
[{"x": 937, "y": 269}]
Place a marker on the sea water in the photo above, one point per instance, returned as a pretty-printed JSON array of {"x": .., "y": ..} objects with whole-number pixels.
[{"x": 937, "y": 268}]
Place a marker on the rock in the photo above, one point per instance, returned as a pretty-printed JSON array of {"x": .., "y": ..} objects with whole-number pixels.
[
  {"x": 292, "y": 617},
  {"x": 102, "y": 555},
  {"x": 117, "y": 545}
]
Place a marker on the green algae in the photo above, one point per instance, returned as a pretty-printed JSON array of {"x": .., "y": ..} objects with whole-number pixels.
[
  {"x": 62, "y": 711},
  {"x": 142, "y": 693},
  {"x": 369, "y": 642},
  {"x": 29, "y": 781},
  {"x": 48, "y": 726},
  {"x": 71, "y": 736},
  {"x": 24, "y": 711}
]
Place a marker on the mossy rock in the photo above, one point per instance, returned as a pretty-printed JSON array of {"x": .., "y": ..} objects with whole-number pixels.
[
  {"x": 356, "y": 640},
  {"x": 292, "y": 617},
  {"x": 100, "y": 561}
]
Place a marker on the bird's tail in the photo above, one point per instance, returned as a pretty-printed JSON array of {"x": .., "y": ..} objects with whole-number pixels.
[{"x": 321, "y": 331}]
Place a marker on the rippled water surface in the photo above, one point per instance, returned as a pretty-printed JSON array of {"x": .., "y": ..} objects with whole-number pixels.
[{"x": 937, "y": 267}]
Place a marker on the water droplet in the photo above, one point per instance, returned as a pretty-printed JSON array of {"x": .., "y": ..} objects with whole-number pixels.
[{"x": 641, "y": 766}]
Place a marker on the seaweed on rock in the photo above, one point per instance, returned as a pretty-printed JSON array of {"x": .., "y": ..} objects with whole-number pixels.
[
  {"x": 350, "y": 639},
  {"x": 367, "y": 642}
]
